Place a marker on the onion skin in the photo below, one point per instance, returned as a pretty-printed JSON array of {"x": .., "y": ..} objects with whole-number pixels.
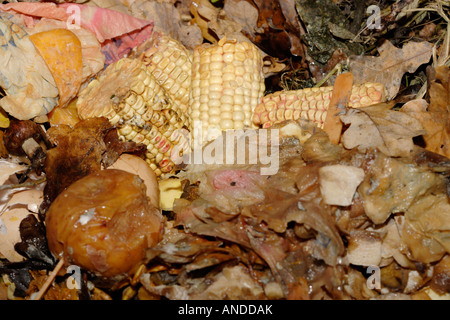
[{"x": 104, "y": 223}]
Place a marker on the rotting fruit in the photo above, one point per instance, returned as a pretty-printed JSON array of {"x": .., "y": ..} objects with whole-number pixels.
[{"x": 103, "y": 223}]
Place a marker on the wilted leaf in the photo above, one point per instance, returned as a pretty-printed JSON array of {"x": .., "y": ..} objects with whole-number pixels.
[
  {"x": 390, "y": 66},
  {"x": 19, "y": 274},
  {"x": 80, "y": 151},
  {"x": 393, "y": 185},
  {"x": 293, "y": 27},
  {"x": 434, "y": 117},
  {"x": 245, "y": 14},
  {"x": 3, "y": 151},
  {"x": 426, "y": 231},
  {"x": 34, "y": 241},
  {"x": 380, "y": 127},
  {"x": 216, "y": 24},
  {"x": 340, "y": 32}
]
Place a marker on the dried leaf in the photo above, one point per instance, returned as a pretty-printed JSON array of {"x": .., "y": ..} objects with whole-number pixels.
[
  {"x": 380, "y": 127},
  {"x": 3, "y": 151},
  {"x": 435, "y": 117},
  {"x": 427, "y": 225},
  {"x": 34, "y": 241},
  {"x": 293, "y": 27},
  {"x": 270, "y": 14},
  {"x": 168, "y": 19},
  {"x": 115, "y": 147},
  {"x": 390, "y": 66},
  {"x": 28, "y": 83},
  {"x": 57, "y": 291},
  {"x": 273, "y": 26},
  {"x": 323, "y": 20},
  {"x": 245, "y": 14},
  {"x": 217, "y": 24}
]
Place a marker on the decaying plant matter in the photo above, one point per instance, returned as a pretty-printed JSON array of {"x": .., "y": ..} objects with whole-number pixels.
[{"x": 102, "y": 193}]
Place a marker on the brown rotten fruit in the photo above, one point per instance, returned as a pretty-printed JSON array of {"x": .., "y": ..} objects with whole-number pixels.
[{"x": 103, "y": 223}]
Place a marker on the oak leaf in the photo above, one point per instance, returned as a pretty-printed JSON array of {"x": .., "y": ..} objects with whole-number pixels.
[
  {"x": 79, "y": 151},
  {"x": 435, "y": 116},
  {"x": 390, "y": 66},
  {"x": 379, "y": 126}
]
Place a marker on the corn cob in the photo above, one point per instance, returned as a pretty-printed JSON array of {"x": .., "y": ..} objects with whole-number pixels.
[
  {"x": 227, "y": 83},
  {"x": 170, "y": 63},
  {"x": 311, "y": 103},
  {"x": 129, "y": 96}
]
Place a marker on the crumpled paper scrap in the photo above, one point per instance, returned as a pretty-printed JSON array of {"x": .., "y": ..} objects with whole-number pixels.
[{"x": 118, "y": 32}]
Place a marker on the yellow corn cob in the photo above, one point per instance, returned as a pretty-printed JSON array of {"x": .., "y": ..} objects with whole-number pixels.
[
  {"x": 129, "y": 96},
  {"x": 311, "y": 103},
  {"x": 227, "y": 83},
  {"x": 170, "y": 63}
]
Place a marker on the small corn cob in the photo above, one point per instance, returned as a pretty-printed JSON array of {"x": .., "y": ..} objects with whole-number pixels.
[
  {"x": 170, "y": 63},
  {"x": 311, "y": 103},
  {"x": 227, "y": 84},
  {"x": 128, "y": 95}
]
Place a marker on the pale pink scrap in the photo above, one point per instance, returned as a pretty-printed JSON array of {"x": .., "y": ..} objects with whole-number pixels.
[{"x": 104, "y": 23}]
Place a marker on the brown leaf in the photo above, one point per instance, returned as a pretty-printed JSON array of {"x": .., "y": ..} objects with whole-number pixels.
[
  {"x": 236, "y": 21},
  {"x": 77, "y": 153},
  {"x": 426, "y": 231},
  {"x": 435, "y": 117},
  {"x": 3, "y": 151},
  {"x": 293, "y": 26},
  {"x": 115, "y": 147},
  {"x": 243, "y": 13},
  {"x": 168, "y": 19},
  {"x": 380, "y": 127},
  {"x": 439, "y": 109},
  {"x": 281, "y": 28},
  {"x": 392, "y": 185},
  {"x": 390, "y": 66},
  {"x": 80, "y": 151},
  {"x": 270, "y": 14}
]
